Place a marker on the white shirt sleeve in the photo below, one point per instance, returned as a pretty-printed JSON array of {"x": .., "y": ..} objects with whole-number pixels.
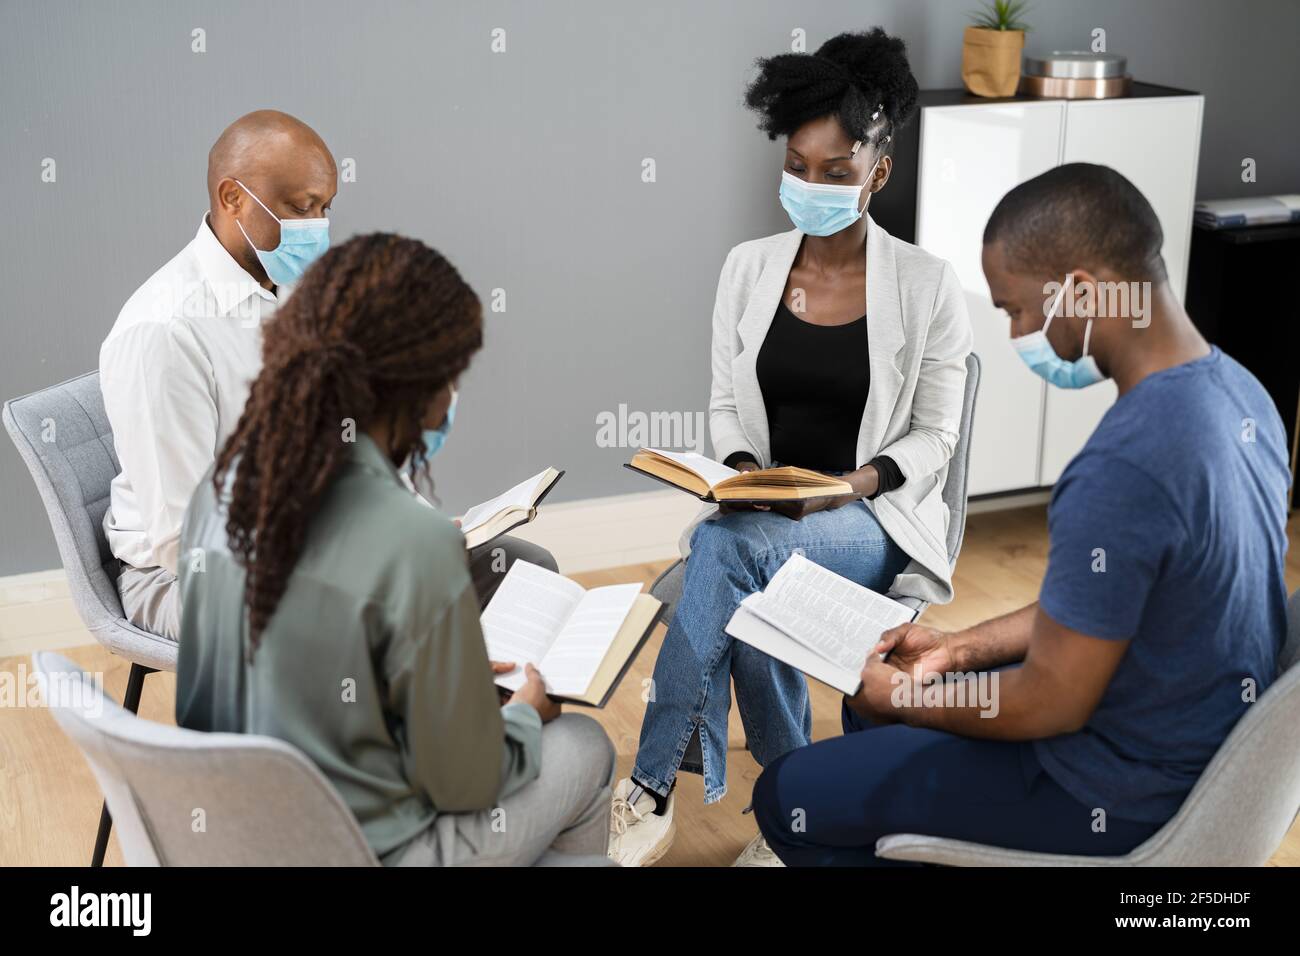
[{"x": 159, "y": 393}]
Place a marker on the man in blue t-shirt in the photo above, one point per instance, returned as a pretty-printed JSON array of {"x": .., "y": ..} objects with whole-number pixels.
[{"x": 1080, "y": 723}]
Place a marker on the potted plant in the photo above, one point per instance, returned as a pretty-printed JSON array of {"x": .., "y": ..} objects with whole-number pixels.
[{"x": 991, "y": 48}]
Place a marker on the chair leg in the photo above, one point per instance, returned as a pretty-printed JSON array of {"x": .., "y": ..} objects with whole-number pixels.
[{"x": 134, "y": 686}]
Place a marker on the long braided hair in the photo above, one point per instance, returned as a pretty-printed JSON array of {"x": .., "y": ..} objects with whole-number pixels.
[{"x": 377, "y": 327}]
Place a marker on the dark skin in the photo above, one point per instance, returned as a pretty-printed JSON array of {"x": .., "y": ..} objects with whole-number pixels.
[
  {"x": 827, "y": 284},
  {"x": 1064, "y": 672},
  {"x": 289, "y": 168},
  {"x": 396, "y": 434}
]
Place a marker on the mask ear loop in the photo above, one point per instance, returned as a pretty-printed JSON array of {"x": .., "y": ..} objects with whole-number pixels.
[
  {"x": 1056, "y": 304},
  {"x": 857, "y": 145},
  {"x": 268, "y": 212},
  {"x": 258, "y": 201}
]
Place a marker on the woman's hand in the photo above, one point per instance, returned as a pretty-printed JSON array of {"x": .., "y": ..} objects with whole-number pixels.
[
  {"x": 865, "y": 481},
  {"x": 499, "y": 668},
  {"x": 727, "y": 509},
  {"x": 533, "y": 693}
]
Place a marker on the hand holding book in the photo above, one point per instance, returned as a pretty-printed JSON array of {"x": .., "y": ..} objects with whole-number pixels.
[
  {"x": 714, "y": 482},
  {"x": 507, "y": 511},
  {"x": 532, "y": 692}
]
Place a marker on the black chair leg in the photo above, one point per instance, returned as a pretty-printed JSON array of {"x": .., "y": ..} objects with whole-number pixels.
[{"x": 134, "y": 686}]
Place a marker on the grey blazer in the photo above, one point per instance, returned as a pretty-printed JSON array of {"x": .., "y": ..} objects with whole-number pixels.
[{"x": 918, "y": 337}]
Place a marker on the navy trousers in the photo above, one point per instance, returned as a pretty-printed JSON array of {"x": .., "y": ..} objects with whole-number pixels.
[{"x": 828, "y": 803}]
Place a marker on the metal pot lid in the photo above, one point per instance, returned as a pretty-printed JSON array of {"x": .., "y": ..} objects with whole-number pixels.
[{"x": 1076, "y": 65}]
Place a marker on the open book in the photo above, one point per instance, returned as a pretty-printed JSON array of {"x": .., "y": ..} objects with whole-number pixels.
[
  {"x": 582, "y": 641},
  {"x": 709, "y": 480},
  {"x": 817, "y": 621},
  {"x": 509, "y": 510}
]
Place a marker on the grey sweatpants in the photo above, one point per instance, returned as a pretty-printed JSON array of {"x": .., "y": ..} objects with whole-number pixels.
[
  {"x": 151, "y": 596},
  {"x": 560, "y": 819}
]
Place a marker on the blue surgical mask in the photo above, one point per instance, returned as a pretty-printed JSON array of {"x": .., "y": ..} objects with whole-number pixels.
[
  {"x": 821, "y": 209},
  {"x": 1038, "y": 354},
  {"x": 435, "y": 438},
  {"x": 302, "y": 242}
]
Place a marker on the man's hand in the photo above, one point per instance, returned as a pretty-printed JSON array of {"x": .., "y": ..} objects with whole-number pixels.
[
  {"x": 917, "y": 650},
  {"x": 873, "y": 701},
  {"x": 533, "y": 693}
]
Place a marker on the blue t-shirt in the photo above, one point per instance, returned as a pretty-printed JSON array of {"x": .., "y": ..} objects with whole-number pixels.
[{"x": 1180, "y": 496}]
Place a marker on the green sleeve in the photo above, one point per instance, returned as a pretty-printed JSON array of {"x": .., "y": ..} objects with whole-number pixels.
[{"x": 461, "y": 749}]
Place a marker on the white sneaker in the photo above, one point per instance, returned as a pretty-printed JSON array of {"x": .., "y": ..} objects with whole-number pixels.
[
  {"x": 758, "y": 853},
  {"x": 637, "y": 835}
]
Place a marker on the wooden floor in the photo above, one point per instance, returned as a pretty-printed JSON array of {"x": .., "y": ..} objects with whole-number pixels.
[{"x": 49, "y": 803}]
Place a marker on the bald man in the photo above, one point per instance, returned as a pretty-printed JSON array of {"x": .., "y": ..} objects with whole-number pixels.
[{"x": 176, "y": 368}]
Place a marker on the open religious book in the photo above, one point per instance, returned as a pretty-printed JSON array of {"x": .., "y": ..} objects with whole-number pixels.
[
  {"x": 582, "y": 641},
  {"x": 709, "y": 480},
  {"x": 817, "y": 621},
  {"x": 508, "y": 510}
]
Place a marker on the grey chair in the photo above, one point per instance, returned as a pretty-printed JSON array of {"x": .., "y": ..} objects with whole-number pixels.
[
  {"x": 668, "y": 586},
  {"x": 1237, "y": 814},
  {"x": 63, "y": 435},
  {"x": 183, "y": 798}
]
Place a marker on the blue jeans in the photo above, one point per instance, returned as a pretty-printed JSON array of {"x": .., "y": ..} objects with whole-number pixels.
[
  {"x": 828, "y": 804},
  {"x": 732, "y": 556}
]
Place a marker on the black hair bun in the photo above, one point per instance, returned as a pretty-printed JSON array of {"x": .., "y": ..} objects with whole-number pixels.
[{"x": 862, "y": 78}]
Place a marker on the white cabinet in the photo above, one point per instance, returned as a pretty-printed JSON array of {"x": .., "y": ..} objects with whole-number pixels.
[
  {"x": 970, "y": 158},
  {"x": 1154, "y": 143},
  {"x": 969, "y": 155}
]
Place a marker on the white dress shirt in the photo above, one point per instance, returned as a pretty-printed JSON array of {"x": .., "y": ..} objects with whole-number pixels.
[{"x": 175, "y": 372}]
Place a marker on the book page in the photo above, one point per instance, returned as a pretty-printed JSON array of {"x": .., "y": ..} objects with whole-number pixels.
[
  {"x": 708, "y": 469},
  {"x": 520, "y": 496},
  {"x": 835, "y": 617},
  {"x": 525, "y": 616},
  {"x": 577, "y": 652}
]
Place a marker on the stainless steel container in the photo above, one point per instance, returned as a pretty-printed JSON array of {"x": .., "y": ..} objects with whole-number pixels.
[
  {"x": 1075, "y": 75},
  {"x": 1076, "y": 65}
]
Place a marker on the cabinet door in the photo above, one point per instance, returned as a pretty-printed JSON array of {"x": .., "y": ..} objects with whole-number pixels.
[
  {"x": 970, "y": 156},
  {"x": 1154, "y": 143}
]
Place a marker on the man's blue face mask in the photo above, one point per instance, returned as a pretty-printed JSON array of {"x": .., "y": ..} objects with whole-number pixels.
[
  {"x": 1038, "y": 354},
  {"x": 302, "y": 242}
]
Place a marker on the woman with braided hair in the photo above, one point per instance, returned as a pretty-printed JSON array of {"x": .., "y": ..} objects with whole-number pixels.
[
  {"x": 836, "y": 348},
  {"x": 326, "y": 604}
]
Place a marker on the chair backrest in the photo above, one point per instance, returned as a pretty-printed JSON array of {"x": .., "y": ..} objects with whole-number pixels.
[
  {"x": 1248, "y": 797},
  {"x": 63, "y": 435},
  {"x": 182, "y": 798},
  {"x": 954, "y": 487}
]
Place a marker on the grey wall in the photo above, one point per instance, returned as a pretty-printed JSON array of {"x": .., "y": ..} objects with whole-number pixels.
[{"x": 523, "y": 167}]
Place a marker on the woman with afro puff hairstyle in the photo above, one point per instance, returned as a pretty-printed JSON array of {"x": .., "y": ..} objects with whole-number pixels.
[{"x": 836, "y": 348}]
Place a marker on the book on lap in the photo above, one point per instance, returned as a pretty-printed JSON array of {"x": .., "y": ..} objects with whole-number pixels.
[
  {"x": 508, "y": 510},
  {"x": 817, "y": 621},
  {"x": 712, "y": 481},
  {"x": 583, "y": 641}
]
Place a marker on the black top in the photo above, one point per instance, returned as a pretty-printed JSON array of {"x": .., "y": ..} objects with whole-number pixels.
[{"x": 815, "y": 380}]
